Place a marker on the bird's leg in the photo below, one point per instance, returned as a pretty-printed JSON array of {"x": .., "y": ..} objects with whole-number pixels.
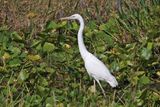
[
  {"x": 94, "y": 81},
  {"x": 101, "y": 88}
]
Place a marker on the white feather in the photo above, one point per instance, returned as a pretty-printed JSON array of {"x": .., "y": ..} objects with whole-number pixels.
[{"x": 98, "y": 70}]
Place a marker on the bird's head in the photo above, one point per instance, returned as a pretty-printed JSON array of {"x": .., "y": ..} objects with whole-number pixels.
[{"x": 72, "y": 17}]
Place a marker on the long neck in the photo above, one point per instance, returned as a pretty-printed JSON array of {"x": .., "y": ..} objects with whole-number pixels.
[{"x": 82, "y": 48}]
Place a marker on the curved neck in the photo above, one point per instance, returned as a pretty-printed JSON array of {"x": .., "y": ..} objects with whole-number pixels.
[{"x": 82, "y": 48}]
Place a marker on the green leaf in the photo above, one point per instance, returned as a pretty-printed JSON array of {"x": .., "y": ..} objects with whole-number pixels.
[
  {"x": 144, "y": 80},
  {"x": 16, "y": 51},
  {"x": 103, "y": 26},
  {"x": 101, "y": 48},
  {"x": 49, "y": 105},
  {"x": 106, "y": 37},
  {"x": 39, "y": 47},
  {"x": 51, "y": 70},
  {"x": 15, "y": 62},
  {"x": 23, "y": 75},
  {"x": 92, "y": 25},
  {"x": 115, "y": 66},
  {"x": 35, "y": 43},
  {"x": 11, "y": 80},
  {"x": 146, "y": 53},
  {"x": 75, "y": 26},
  {"x": 149, "y": 45},
  {"x": 50, "y": 101},
  {"x": 89, "y": 33},
  {"x": 43, "y": 81},
  {"x": 51, "y": 25},
  {"x": 48, "y": 47},
  {"x": 35, "y": 100},
  {"x": 109, "y": 26},
  {"x": 41, "y": 90},
  {"x": 34, "y": 57},
  {"x": 62, "y": 24},
  {"x": 6, "y": 56},
  {"x": 16, "y": 36}
]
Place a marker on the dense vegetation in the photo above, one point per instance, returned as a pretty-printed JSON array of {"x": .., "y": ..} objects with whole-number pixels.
[{"x": 45, "y": 68}]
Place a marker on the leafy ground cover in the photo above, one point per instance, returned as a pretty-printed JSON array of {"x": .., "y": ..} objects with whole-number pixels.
[{"x": 45, "y": 68}]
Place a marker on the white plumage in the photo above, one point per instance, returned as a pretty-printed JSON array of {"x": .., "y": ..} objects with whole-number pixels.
[
  {"x": 98, "y": 70},
  {"x": 93, "y": 65}
]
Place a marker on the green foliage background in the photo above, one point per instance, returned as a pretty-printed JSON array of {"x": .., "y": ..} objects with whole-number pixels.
[{"x": 44, "y": 68}]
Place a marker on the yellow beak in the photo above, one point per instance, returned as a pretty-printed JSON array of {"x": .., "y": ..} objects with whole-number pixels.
[{"x": 64, "y": 18}]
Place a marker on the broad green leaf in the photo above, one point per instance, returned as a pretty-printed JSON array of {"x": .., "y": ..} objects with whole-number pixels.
[
  {"x": 144, "y": 80},
  {"x": 23, "y": 54},
  {"x": 6, "y": 56},
  {"x": 109, "y": 26},
  {"x": 15, "y": 62},
  {"x": 16, "y": 51},
  {"x": 23, "y": 75},
  {"x": 62, "y": 24},
  {"x": 146, "y": 53},
  {"x": 51, "y": 25},
  {"x": 50, "y": 101},
  {"x": 123, "y": 64},
  {"x": 51, "y": 70},
  {"x": 92, "y": 25},
  {"x": 106, "y": 37},
  {"x": 115, "y": 66},
  {"x": 49, "y": 105},
  {"x": 43, "y": 81},
  {"x": 39, "y": 47},
  {"x": 48, "y": 47},
  {"x": 89, "y": 33},
  {"x": 40, "y": 88},
  {"x": 75, "y": 26},
  {"x": 34, "y": 57},
  {"x": 35, "y": 100},
  {"x": 103, "y": 26},
  {"x": 101, "y": 48}
]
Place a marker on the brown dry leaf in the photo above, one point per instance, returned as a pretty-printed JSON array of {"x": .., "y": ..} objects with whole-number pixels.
[{"x": 31, "y": 15}]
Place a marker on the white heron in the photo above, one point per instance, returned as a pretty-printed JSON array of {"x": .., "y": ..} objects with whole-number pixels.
[{"x": 93, "y": 65}]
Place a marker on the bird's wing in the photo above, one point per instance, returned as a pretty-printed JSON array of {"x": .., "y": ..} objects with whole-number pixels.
[
  {"x": 95, "y": 67},
  {"x": 98, "y": 70}
]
